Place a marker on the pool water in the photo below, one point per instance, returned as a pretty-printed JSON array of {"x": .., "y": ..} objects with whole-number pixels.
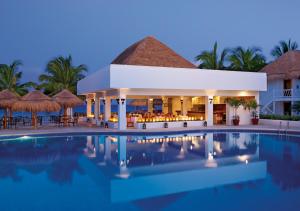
[{"x": 207, "y": 171}]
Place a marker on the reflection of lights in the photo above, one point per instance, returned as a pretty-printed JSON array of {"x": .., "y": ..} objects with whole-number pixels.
[
  {"x": 214, "y": 153},
  {"x": 191, "y": 147},
  {"x": 243, "y": 158},
  {"x": 124, "y": 174},
  {"x": 181, "y": 153},
  {"x": 210, "y": 156},
  {"x": 122, "y": 163},
  {"x": 144, "y": 154},
  {"x": 211, "y": 163},
  {"x": 217, "y": 147},
  {"x": 25, "y": 137},
  {"x": 194, "y": 139}
]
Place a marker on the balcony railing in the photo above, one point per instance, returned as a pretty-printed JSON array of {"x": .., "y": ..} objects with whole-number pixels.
[{"x": 286, "y": 93}]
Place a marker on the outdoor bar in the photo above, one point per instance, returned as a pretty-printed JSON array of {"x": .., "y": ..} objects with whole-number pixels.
[{"x": 175, "y": 93}]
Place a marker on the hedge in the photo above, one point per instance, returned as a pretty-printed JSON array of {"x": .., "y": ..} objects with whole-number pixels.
[{"x": 279, "y": 117}]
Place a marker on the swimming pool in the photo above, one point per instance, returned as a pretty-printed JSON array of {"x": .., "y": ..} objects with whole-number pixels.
[{"x": 208, "y": 171}]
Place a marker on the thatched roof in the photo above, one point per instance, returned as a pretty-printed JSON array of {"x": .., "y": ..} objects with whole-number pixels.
[
  {"x": 66, "y": 99},
  {"x": 151, "y": 52},
  {"x": 36, "y": 101},
  {"x": 286, "y": 66},
  {"x": 8, "y": 98}
]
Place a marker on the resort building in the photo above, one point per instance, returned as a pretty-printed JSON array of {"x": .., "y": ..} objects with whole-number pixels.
[
  {"x": 283, "y": 91},
  {"x": 175, "y": 91}
]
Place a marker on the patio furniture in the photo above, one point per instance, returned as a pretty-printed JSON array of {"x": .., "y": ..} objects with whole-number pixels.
[{"x": 34, "y": 102}]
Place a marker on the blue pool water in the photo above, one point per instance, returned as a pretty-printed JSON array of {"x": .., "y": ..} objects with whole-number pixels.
[{"x": 197, "y": 171}]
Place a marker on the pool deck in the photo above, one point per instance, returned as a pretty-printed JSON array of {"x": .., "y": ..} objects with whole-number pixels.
[{"x": 93, "y": 129}]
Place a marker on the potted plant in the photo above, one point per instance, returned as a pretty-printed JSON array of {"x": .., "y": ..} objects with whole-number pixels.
[
  {"x": 252, "y": 106},
  {"x": 235, "y": 103}
]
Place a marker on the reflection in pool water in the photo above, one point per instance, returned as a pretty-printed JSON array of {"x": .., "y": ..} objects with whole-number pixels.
[{"x": 100, "y": 172}]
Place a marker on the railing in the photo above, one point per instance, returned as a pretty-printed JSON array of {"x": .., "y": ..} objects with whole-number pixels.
[{"x": 286, "y": 93}]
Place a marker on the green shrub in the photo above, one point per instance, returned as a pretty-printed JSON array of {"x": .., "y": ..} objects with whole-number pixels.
[{"x": 279, "y": 117}]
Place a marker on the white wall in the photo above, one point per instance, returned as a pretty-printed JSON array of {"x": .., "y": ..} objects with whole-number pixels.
[
  {"x": 245, "y": 115},
  {"x": 145, "y": 77},
  {"x": 267, "y": 96},
  {"x": 96, "y": 81}
]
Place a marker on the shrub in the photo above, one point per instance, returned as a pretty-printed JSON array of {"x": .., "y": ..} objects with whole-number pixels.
[{"x": 279, "y": 117}]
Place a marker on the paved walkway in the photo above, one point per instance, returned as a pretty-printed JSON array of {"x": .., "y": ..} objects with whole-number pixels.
[{"x": 80, "y": 129}]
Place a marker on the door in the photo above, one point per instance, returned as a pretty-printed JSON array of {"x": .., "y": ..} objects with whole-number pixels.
[{"x": 287, "y": 108}]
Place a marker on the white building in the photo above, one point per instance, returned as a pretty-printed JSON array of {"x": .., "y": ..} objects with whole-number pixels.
[
  {"x": 283, "y": 84},
  {"x": 150, "y": 71}
]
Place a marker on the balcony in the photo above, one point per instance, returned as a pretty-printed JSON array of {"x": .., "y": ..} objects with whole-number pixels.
[{"x": 286, "y": 94}]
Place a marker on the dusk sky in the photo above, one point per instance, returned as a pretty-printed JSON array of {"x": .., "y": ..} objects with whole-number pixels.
[{"x": 94, "y": 32}]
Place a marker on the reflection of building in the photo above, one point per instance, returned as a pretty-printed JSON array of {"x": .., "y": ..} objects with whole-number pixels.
[
  {"x": 163, "y": 165},
  {"x": 150, "y": 71}
]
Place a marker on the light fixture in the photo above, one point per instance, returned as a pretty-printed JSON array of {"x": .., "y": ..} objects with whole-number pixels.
[
  {"x": 123, "y": 100},
  {"x": 210, "y": 100}
]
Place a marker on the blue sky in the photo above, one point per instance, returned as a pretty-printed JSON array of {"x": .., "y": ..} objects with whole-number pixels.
[{"x": 95, "y": 31}]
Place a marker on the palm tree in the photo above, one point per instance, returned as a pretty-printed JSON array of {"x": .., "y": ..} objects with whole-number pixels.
[
  {"x": 211, "y": 59},
  {"x": 283, "y": 47},
  {"x": 10, "y": 78},
  {"x": 250, "y": 59},
  {"x": 61, "y": 74}
]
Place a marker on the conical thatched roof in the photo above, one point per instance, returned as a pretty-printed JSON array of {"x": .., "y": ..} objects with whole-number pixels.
[
  {"x": 66, "y": 99},
  {"x": 36, "y": 101},
  {"x": 8, "y": 98},
  {"x": 151, "y": 52},
  {"x": 286, "y": 66}
]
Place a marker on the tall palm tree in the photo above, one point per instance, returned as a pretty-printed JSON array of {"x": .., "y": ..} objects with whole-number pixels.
[
  {"x": 283, "y": 47},
  {"x": 250, "y": 59},
  {"x": 61, "y": 74},
  {"x": 211, "y": 59},
  {"x": 10, "y": 78}
]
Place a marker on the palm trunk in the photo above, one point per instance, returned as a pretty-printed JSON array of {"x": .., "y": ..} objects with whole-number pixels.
[
  {"x": 33, "y": 120},
  {"x": 4, "y": 119},
  {"x": 10, "y": 116},
  {"x": 65, "y": 116}
]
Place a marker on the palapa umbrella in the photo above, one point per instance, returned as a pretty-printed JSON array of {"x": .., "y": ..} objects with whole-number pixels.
[
  {"x": 67, "y": 100},
  {"x": 7, "y": 99},
  {"x": 34, "y": 102}
]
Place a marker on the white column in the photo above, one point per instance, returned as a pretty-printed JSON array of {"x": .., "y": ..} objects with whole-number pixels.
[
  {"x": 122, "y": 150},
  {"x": 150, "y": 105},
  {"x": 97, "y": 106},
  {"x": 209, "y": 146},
  {"x": 107, "y": 149},
  {"x": 257, "y": 100},
  {"x": 88, "y": 107},
  {"x": 209, "y": 110},
  {"x": 107, "y": 108},
  {"x": 122, "y": 122}
]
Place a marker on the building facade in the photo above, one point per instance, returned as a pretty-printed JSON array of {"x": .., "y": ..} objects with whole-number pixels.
[
  {"x": 150, "y": 71},
  {"x": 283, "y": 89}
]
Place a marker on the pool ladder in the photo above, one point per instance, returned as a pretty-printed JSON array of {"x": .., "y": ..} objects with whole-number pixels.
[{"x": 281, "y": 130}]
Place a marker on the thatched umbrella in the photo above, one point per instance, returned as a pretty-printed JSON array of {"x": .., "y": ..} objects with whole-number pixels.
[
  {"x": 34, "y": 102},
  {"x": 7, "y": 99},
  {"x": 67, "y": 100}
]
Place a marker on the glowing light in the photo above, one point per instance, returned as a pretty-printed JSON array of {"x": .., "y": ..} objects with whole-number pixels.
[
  {"x": 25, "y": 137},
  {"x": 246, "y": 161}
]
